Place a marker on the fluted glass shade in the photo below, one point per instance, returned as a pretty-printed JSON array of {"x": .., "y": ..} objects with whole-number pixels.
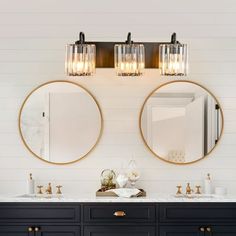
[
  {"x": 80, "y": 59},
  {"x": 129, "y": 59},
  {"x": 173, "y": 59}
]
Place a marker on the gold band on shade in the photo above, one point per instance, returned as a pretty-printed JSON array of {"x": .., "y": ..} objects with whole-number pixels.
[
  {"x": 78, "y": 158},
  {"x": 142, "y": 131}
]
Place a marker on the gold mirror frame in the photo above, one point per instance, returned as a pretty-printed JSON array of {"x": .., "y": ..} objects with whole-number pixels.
[
  {"x": 140, "y": 121},
  {"x": 60, "y": 81}
]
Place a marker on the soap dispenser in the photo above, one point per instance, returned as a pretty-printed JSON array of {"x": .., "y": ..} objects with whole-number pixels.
[
  {"x": 208, "y": 185},
  {"x": 30, "y": 185}
]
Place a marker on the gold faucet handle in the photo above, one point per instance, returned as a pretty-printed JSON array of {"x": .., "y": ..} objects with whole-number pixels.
[
  {"x": 179, "y": 191},
  {"x": 198, "y": 189},
  {"x": 59, "y": 189},
  {"x": 40, "y": 189}
]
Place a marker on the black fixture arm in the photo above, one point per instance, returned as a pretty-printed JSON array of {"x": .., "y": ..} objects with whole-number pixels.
[
  {"x": 173, "y": 39},
  {"x": 81, "y": 38},
  {"x": 129, "y": 41}
]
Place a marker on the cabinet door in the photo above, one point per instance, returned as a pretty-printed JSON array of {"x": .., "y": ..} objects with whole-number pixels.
[
  {"x": 121, "y": 230},
  {"x": 13, "y": 230},
  {"x": 223, "y": 230},
  {"x": 57, "y": 230},
  {"x": 181, "y": 231}
]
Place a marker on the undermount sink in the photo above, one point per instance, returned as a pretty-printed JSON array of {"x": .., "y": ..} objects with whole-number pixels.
[
  {"x": 40, "y": 196},
  {"x": 190, "y": 196}
]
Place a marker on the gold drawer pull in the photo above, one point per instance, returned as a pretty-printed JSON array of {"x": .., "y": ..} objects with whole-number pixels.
[
  {"x": 119, "y": 214},
  {"x": 30, "y": 229},
  {"x": 202, "y": 229},
  {"x": 208, "y": 229}
]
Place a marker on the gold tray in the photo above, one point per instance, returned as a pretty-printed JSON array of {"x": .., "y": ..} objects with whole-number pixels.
[{"x": 101, "y": 193}]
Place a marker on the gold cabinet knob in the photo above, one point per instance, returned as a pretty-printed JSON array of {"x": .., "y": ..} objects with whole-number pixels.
[
  {"x": 119, "y": 214},
  {"x": 202, "y": 229},
  {"x": 30, "y": 229},
  {"x": 36, "y": 229},
  {"x": 208, "y": 229}
]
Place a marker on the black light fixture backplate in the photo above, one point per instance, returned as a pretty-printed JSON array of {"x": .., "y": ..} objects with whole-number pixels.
[{"x": 105, "y": 53}]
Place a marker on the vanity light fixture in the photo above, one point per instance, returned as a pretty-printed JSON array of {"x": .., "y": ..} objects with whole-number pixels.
[
  {"x": 173, "y": 58},
  {"x": 80, "y": 58},
  {"x": 129, "y": 58}
]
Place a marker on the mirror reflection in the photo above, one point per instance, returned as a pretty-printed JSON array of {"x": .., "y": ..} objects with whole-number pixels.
[
  {"x": 181, "y": 122},
  {"x": 60, "y": 122}
]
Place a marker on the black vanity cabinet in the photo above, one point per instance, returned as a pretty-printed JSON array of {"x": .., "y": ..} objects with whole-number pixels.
[
  {"x": 196, "y": 230},
  {"x": 42, "y": 230},
  {"x": 121, "y": 230},
  {"x": 14, "y": 230},
  {"x": 40, "y": 219},
  {"x": 197, "y": 219},
  {"x": 39, "y": 230},
  {"x": 58, "y": 230},
  {"x": 181, "y": 230},
  {"x": 117, "y": 219}
]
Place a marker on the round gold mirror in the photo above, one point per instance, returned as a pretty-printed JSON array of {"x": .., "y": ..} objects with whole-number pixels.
[
  {"x": 60, "y": 122},
  {"x": 181, "y": 122}
]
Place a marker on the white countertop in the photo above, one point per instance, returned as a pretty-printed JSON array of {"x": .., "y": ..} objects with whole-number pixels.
[{"x": 89, "y": 198}]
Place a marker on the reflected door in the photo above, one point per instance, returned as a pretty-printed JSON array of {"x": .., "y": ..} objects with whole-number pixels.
[{"x": 194, "y": 128}]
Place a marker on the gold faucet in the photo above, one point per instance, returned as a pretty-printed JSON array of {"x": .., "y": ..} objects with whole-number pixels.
[
  {"x": 49, "y": 189},
  {"x": 188, "y": 189}
]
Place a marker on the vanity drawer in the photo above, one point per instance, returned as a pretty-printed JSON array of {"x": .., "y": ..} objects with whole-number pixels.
[
  {"x": 66, "y": 213},
  {"x": 119, "y": 213},
  {"x": 198, "y": 212},
  {"x": 119, "y": 231}
]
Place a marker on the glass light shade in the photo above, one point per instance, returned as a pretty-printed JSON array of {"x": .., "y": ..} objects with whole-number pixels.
[
  {"x": 129, "y": 59},
  {"x": 80, "y": 59},
  {"x": 173, "y": 59}
]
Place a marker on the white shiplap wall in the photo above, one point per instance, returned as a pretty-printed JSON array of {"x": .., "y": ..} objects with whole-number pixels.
[{"x": 32, "y": 39}]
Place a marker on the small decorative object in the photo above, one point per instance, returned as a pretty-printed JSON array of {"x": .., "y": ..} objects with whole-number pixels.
[
  {"x": 108, "y": 178},
  {"x": 122, "y": 180},
  {"x": 133, "y": 173}
]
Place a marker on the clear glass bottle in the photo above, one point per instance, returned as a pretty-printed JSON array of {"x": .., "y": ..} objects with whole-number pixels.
[{"x": 133, "y": 173}]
